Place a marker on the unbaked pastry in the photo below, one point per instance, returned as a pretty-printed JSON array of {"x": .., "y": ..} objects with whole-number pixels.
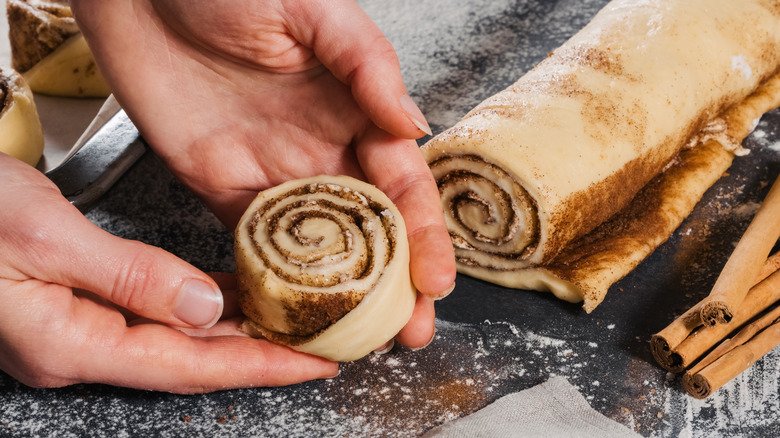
[
  {"x": 21, "y": 135},
  {"x": 323, "y": 267},
  {"x": 528, "y": 173},
  {"x": 48, "y": 49}
]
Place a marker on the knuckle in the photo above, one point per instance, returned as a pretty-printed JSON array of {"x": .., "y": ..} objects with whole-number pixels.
[
  {"x": 134, "y": 277},
  {"x": 380, "y": 57},
  {"x": 37, "y": 240},
  {"x": 408, "y": 184},
  {"x": 35, "y": 235}
]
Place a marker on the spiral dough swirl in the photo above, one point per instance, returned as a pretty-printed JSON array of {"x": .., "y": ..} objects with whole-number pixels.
[{"x": 492, "y": 220}]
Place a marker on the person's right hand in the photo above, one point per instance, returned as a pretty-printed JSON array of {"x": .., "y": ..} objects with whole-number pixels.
[
  {"x": 237, "y": 96},
  {"x": 54, "y": 333}
]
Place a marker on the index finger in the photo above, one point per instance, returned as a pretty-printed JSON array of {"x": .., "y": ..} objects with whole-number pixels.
[{"x": 397, "y": 167}]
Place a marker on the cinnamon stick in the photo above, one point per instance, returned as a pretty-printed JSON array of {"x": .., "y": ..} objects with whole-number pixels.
[
  {"x": 771, "y": 265},
  {"x": 687, "y": 338},
  {"x": 734, "y": 356},
  {"x": 744, "y": 264},
  {"x": 744, "y": 335},
  {"x": 664, "y": 344}
]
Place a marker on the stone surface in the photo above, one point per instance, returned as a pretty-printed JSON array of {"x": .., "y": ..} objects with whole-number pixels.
[{"x": 491, "y": 341}]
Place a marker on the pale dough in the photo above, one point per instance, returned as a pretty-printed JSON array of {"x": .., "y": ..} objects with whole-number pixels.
[{"x": 68, "y": 71}]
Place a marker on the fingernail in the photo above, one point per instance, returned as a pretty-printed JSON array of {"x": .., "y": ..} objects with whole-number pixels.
[
  {"x": 385, "y": 348},
  {"x": 446, "y": 292},
  {"x": 199, "y": 304},
  {"x": 414, "y": 114},
  {"x": 433, "y": 336}
]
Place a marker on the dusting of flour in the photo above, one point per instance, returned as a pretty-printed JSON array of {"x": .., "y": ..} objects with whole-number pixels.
[{"x": 405, "y": 393}]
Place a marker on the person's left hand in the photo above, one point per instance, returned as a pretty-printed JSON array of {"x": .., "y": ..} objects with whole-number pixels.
[
  {"x": 241, "y": 95},
  {"x": 76, "y": 304}
]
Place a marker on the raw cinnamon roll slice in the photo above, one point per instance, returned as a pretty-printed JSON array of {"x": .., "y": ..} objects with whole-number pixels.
[
  {"x": 323, "y": 267},
  {"x": 48, "y": 49},
  {"x": 529, "y": 177},
  {"x": 21, "y": 135}
]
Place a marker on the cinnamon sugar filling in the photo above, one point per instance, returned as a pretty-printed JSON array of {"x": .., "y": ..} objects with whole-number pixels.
[{"x": 486, "y": 209}]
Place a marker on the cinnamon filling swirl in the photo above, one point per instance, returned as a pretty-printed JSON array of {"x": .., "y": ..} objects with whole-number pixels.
[
  {"x": 489, "y": 215},
  {"x": 37, "y": 28},
  {"x": 4, "y": 95}
]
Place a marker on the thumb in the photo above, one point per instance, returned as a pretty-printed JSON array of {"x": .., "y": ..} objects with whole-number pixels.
[
  {"x": 153, "y": 283},
  {"x": 351, "y": 46},
  {"x": 146, "y": 280}
]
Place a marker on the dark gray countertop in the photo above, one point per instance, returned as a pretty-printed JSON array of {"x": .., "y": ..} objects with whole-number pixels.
[{"x": 491, "y": 341}]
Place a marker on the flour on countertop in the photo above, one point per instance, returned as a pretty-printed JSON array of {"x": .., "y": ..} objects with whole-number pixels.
[
  {"x": 405, "y": 393},
  {"x": 765, "y": 135}
]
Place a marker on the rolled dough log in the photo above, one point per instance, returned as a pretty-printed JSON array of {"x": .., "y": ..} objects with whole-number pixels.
[{"x": 538, "y": 166}]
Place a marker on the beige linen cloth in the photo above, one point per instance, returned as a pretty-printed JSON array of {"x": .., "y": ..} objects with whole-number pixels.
[{"x": 552, "y": 409}]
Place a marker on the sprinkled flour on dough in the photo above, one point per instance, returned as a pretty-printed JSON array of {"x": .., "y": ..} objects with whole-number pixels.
[{"x": 740, "y": 64}]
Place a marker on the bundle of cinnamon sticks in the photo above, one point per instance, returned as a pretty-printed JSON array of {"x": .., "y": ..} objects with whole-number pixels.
[{"x": 739, "y": 321}]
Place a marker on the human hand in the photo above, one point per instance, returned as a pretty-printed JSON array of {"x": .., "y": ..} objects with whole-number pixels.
[
  {"x": 54, "y": 333},
  {"x": 241, "y": 95}
]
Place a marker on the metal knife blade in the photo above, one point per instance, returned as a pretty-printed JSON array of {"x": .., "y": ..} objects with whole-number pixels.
[{"x": 92, "y": 169}]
